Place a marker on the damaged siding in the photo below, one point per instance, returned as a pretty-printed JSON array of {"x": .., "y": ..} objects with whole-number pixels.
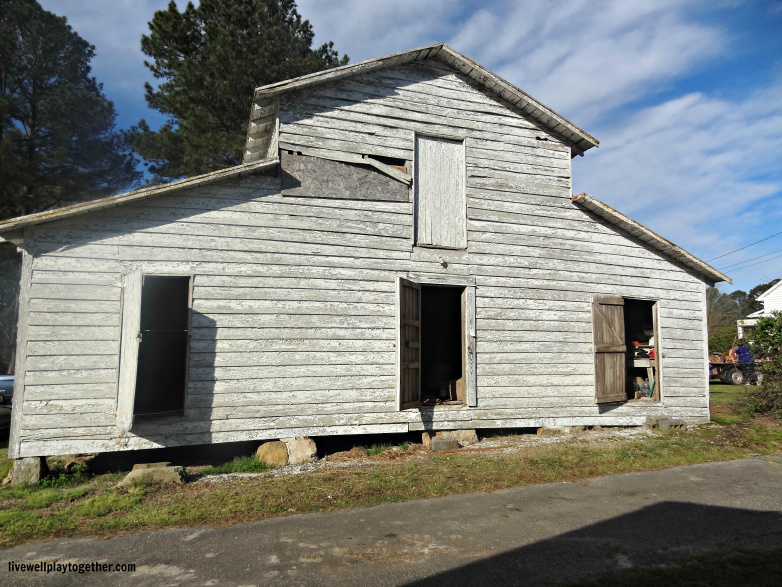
[{"x": 293, "y": 323}]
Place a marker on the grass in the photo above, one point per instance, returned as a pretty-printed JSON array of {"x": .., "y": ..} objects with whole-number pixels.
[
  {"x": 249, "y": 464},
  {"x": 74, "y": 503},
  {"x": 723, "y": 394},
  {"x": 96, "y": 506}
]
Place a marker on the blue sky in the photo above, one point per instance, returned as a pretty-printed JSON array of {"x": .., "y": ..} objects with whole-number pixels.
[{"x": 685, "y": 96}]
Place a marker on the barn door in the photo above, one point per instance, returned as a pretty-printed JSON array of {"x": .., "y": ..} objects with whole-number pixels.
[
  {"x": 608, "y": 326},
  {"x": 408, "y": 344}
]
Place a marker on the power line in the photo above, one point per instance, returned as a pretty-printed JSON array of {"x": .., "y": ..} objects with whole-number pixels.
[
  {"x": 752, "y": 259},
  {"x": 758, "y": 263},
  {"x": 746, "y": 247}
]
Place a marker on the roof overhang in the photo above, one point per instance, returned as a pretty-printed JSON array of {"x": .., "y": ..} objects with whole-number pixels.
[
  {"x": 579, "y": 139},
  {"x": 13, "y": 230},
  {"x": 649, "y": 237},
  {"x": 762, "y": 297}
]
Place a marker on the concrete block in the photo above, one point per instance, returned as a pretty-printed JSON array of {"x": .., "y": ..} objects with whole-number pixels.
[
  {"x": 29, "y": 470},
  {"x": 162, "y": 475},
  {"x": 301, "y": 450},
  {"x": 274, "y": 454},
  {"x": 426, "y": 438},
  {"x": 443, "y": 443},
  {"x": 673, "y": 424}
]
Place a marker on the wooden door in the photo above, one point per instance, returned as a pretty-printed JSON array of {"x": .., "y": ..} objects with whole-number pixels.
[
  {"x": 408, "y": 344},
  {"x": 608, "y": 326},
  {"x": 129, "y": 343}
]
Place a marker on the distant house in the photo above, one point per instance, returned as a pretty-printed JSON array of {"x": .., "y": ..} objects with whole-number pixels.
[
  {"x": 401, "y": 250},
  {"x": 772, "y": 302}
]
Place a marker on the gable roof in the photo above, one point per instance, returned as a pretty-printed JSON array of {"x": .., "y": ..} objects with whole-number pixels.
[
  {"x": 762, "y": 297},
  {"x": 581, "y": 140},
  {"x": 17, "y": 224},
  {"x": 649, "y": 237}
]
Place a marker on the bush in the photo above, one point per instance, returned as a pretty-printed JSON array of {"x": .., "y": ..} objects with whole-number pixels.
[
  {"x": 721, "y": 341},
  {"x": 766, "y": 398}
]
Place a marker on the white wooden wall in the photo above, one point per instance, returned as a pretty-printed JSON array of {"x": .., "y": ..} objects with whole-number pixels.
[{"x": 293, "y": 330}]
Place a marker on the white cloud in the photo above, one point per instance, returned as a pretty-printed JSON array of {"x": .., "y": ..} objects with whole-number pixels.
[{"x": 702, "y": 171}]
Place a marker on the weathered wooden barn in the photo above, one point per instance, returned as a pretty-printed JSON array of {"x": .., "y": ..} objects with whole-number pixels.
[{"x": 400, "y": 250}]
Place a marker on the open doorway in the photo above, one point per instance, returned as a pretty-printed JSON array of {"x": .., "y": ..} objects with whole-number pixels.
[
  {"x": 642, "y": 349},
  {"x": 161, "y": 375},
  {"x": 442, "y": 352}
]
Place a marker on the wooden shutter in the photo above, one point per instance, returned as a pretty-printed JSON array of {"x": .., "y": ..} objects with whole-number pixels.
[
  {"x": 610, "y": 350},
  {"x": 469, "y": 371},
  {"x": 408, "y": 344},
  {"x": 129, "y": 343},
  {"x": 441, "y": 212}
]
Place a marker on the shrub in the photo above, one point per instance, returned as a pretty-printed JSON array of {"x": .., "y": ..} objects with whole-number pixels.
[{"x": 767, "y": 397}]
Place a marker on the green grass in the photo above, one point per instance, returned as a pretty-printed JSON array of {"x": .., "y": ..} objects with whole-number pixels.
[
  {"x": 723, "y": 394},
  {"x": 376, "y": 449},
  {"x": 249, "y": 464},
  {"x": 98, "y": 507}
]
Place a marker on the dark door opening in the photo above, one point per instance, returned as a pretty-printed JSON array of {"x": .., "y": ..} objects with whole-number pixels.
[
  {"x": 442, "y": 366},
  {"x": 162, "y": 356}
]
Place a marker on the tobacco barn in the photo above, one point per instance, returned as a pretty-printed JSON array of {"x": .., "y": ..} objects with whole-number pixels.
[{"x": 400, "y": 250}]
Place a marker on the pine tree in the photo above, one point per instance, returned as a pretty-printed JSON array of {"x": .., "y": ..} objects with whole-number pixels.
[
  {"x": 58, "y": 143},
  {"x": 210, "y": 58}
]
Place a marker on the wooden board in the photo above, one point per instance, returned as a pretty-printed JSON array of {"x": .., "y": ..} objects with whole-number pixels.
[
  {"x": 408, "y": 352},
  {"x": 440, "y": 216},
  {"x": 608, "y": 332},
  {"x": 321, "y": 178}
]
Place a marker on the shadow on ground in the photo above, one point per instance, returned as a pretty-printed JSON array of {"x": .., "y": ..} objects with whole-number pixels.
[{"x": 669, "y": 543}]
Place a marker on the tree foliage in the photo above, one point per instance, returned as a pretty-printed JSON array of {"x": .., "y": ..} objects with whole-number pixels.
[
  {"x": 58, "y": 143},
  {"x": 767, "y": 346},
  {"x": 210, "y": 59},
  {"x": 723, "y": 309}
]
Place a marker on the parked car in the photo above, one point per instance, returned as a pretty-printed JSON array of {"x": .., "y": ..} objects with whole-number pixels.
[{"x": 6, "y": 389}]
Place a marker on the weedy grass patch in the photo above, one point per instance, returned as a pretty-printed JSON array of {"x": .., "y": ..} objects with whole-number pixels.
[
  {"x": 249, "y": 464},
  {"x": 97, "y": 506}
]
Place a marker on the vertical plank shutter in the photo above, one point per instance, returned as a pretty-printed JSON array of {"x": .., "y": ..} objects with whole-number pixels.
[
  {"x": 441, "y": 212},
  {"x": 470, "y": 370},
  {"x": 610, "y": 349},
  {"x": 129, "y": 343},
  {"x": 408, "y": 344}
]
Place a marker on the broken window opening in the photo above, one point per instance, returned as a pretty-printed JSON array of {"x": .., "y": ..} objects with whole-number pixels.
[
  {"x": 400, "y": 164},
  {"x": 163, "y": 350},
  {"x": 442, "y": 349}
]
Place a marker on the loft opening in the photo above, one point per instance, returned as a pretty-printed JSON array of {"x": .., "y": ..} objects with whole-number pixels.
[
  {"x": 161, "y": 374},
  {"x": 627, "y": 349},
  {"x": 435, "y": 344}
]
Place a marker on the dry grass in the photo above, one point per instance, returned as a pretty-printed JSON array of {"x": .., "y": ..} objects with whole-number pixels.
[{"x": 97, "y": 507}]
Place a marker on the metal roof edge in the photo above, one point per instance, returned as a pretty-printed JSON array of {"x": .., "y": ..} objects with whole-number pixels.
[
  {"x": 140, "y": 194},
  {"x": 649, "y": 237}
]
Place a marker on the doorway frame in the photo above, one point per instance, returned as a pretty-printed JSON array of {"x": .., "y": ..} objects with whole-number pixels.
[{"x": 469, "y": 338}]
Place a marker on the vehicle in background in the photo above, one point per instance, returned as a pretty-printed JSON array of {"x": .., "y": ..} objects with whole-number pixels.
[{"x": 6, "y": 389}]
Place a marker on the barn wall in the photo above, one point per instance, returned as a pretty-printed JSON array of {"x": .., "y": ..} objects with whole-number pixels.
[{"x": 293, "y": 326}]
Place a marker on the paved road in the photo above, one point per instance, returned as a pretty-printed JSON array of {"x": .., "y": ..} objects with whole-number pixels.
[{"x": 525, "y": 536}]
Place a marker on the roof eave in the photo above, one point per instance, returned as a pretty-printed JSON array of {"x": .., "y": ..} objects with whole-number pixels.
[
  {"x": 649, "y": 237},
  {"x": 580, "y": 139},
  {"x": 17, "y": 224}
]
